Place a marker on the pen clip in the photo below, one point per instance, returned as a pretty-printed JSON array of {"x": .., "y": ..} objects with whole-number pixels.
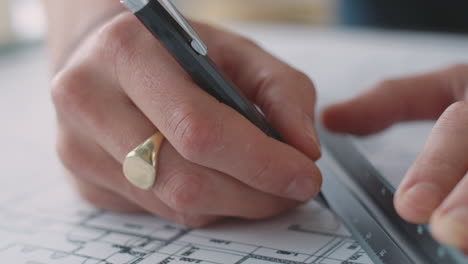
[{"x": 196, "y": 43}]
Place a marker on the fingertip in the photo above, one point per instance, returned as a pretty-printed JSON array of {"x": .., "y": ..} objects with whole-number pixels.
[
  {"x": 342, "y": 119},
  {"x": 306, "y": 185},
  {"x": 332, "y": 117},
  {"x": 417, "y": 203},
  {"x": 297, "y": 128},
  {"x": 450, "y": 228}
]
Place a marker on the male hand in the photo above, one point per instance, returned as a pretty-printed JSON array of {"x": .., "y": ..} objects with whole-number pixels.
[
  {"x": 120, "y": 86},
  {"x": 435, "y": 189}
]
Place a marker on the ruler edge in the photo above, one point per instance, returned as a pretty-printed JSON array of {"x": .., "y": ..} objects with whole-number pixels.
[
  {"x": 323, "y": 133},
  {"x": 356, "y": 234}
]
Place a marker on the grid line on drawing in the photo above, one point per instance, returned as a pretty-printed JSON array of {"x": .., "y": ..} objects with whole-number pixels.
[
  {"x": 329, "y": 248},
  {"x": 316, "y": 255},
  {"x": 249, "y": 255},
  {"x": 274, "y": 260},
  {"x": 60, "y": 234},
  {"x": 27, "y": 247},
  {"x": 242, "y": 260}
]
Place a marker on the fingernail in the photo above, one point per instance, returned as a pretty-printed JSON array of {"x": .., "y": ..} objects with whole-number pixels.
[
  {"x": 311, "y": 132},
  {"x": 421, "y": 200},
  {"x": 451, "y": 228},
  {"x": 302, "y": 189}
]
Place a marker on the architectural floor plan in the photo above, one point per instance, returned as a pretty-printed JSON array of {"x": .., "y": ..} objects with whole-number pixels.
[{"x": 54, "y": 226}]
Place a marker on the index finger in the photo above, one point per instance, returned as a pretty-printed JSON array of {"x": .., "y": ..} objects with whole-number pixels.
[
  {"x": 422, "y": 97},
  {"x": 438, "y": 168},
  {"x": 199, "y": 127}
]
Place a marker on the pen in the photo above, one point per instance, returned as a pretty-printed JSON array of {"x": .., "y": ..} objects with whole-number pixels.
[{"x": 169, "y": 26}]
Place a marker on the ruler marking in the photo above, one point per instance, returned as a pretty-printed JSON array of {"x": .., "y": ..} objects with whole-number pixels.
[{"x": 362, "y": 222}]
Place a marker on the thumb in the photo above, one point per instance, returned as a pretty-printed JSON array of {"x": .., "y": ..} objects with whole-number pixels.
[{"x": 422, "y": 97}]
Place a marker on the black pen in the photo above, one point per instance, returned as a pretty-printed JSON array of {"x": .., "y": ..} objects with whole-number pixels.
[{"x": 168, "y": 25}]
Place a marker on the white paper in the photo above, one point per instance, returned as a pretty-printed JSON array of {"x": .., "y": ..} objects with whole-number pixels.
[{"x": 54, "y": 226}]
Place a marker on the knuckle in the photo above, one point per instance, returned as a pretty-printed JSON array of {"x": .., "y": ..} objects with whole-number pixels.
[
  {"x": 266, "y": 79},
  {"x": 183, "y": 192},
  {"x": 305, "y": 81},
  {"x": 73, "y": 94},
  {"x": 222, "y": 48},
  {"x": 69, "y": 92},
  {"x": 265, "y": 94},
  {"x": 285, "y": 72},
  {"x": 115, "y": 43},
  {"x": 196, "y": 135},
  {"x": 117, "y": 36},
  {"x": 268, "y": 90}
]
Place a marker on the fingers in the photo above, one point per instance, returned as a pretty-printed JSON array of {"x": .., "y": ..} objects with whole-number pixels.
[
  {"x": 124, "y": 85},
  {"x": 190, "y": 188},
  {"x": 200, "y": 128},
  {"x": 448, "y": 224},
  {"x": 80, "y": 93},
  {"x": 99, "y": 176},
  {"x": 435, "y": 186},
  {"x": 88, "y": 163},
  {"x": 182, "y": 188},
  {"x": 104, "y": 198},
  {"x": 286, "y": 96},
  {"x": 438, "y": 169},
  {"x": 416, "y": 98}
]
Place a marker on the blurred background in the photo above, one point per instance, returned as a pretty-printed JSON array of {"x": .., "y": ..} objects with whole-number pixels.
[{"x": 22, "y": 21}]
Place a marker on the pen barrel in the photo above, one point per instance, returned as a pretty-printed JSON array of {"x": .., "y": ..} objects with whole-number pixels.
[{"x": 203, "y": 71}]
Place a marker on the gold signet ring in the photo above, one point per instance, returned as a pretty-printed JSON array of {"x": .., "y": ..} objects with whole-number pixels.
[{"x": 140, "y": 167}]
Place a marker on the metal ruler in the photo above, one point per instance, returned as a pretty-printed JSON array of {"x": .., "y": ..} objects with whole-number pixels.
[{"x": 363, "y": 199}]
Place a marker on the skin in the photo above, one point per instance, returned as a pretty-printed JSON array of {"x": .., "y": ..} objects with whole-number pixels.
[
  {"x": 434, "y": 189},
  {"x": 114, "y": 85}
]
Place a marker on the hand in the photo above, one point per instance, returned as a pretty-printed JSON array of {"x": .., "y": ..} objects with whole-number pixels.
[
  {"x": 120, "y": 86},
  {"x": 435, "y": 189}
]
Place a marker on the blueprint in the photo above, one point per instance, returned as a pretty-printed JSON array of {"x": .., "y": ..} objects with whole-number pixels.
[{"x": 54, "y": 226}]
